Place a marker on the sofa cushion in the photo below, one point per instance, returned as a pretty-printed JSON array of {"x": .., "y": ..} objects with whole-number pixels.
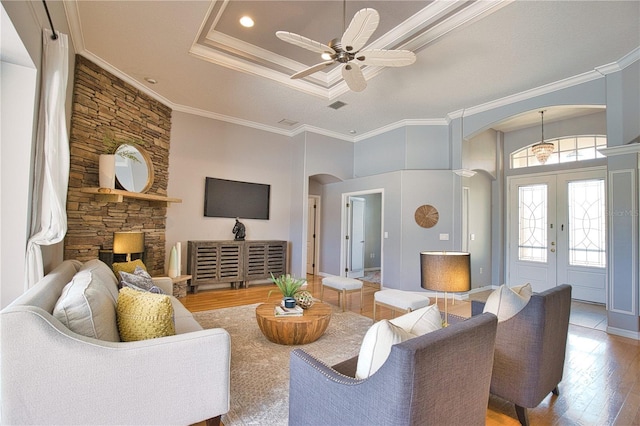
[
  {"x": 139, "y": 280},
  {"x": 376, "y": 346},
  {"x": 505, "y": 302},
  {"x": 127, "y": 266},
  {"x": 421, "y": 321},
  {"x": 143, "y": 315},
  {"x": 87, "y": 304}
]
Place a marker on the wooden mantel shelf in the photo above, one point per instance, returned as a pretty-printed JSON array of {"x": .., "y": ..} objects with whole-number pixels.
[{"x": 118, "y": 195}]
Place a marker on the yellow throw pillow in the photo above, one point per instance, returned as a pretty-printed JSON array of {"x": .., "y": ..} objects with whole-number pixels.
[
  {"x": 143, "y": 315},
  {"x": 127, "y": 267}
]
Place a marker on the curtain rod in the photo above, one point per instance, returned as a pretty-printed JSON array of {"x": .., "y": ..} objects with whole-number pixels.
[{"x": 54, "y": 36}]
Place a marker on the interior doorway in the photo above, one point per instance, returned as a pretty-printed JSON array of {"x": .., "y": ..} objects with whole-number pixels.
[
  {"x": 362, "y": 230},
  {"x": 313, "y": 233}
]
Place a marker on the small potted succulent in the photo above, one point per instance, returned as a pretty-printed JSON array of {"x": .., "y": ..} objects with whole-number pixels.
[{"x": 290, "y": 287}]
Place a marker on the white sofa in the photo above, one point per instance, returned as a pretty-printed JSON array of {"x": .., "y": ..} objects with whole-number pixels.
[{"x": 51, "y": 375}]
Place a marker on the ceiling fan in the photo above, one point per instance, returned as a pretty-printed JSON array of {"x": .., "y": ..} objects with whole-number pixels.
[{"x": 347, "y": 50}]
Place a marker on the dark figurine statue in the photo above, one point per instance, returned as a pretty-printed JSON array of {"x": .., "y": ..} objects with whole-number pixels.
[{"x": 238, "y": 229}]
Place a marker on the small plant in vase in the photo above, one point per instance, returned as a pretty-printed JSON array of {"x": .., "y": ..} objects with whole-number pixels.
[
  {"x": 107, "y": 160},
  {"x": 291, "y": 287}
]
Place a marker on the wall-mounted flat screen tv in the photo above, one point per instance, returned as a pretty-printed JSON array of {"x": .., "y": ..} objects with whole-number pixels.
[{"x": 230, "y": 198}]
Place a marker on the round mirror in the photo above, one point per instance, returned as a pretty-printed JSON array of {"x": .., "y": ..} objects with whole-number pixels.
[{"x": 134, "y": 170}]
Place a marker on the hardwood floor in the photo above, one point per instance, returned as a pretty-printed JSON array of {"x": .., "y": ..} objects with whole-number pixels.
[{"x": 601, "y": 383}]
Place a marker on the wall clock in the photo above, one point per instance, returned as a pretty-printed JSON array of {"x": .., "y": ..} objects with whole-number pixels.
[{"x": 426, "y": 216}]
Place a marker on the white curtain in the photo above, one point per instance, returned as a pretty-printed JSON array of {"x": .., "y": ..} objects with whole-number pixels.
[{"x": 51, "y": 164}]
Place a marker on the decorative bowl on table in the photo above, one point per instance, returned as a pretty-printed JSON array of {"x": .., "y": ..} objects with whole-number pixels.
[{"x": 304, "y": 299}]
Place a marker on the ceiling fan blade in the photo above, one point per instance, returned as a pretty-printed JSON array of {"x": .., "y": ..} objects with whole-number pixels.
[
  {"x": 312, "y": 69},
  {"x": 363, "y": 24},
  {"x": 386, "y": 58},
  {"x": 305, "y": 43},
  {"x": 353, "y": 76}
]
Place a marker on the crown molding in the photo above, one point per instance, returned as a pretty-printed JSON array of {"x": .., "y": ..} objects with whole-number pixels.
[
  {"x": 232, "y": 120},
  {"x": 467, "y": 173},
  {"x": 400, "y": 124},
  {"x": 75, "y": 25},
  {"x": 532, "y": 93},
  {"x": 324, "y": 132},
  {"x": 620, "y": 150}
]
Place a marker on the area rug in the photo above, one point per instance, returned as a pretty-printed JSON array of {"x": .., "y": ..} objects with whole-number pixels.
[
  {"x": 372, "y": 276},
  {"x": 260, "y": 369}
]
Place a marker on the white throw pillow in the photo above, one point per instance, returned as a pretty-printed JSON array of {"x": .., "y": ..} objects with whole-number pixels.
[
  {"x": 421, "y": 321},
  {"x": 523, "y": 290},
  {"x": 87, "y": 305},
  {"x": 376, "y": 346},
  {"x": 505, "y": 302}
]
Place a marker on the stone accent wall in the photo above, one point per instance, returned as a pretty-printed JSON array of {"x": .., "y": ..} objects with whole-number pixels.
[{"x": 102, "y": 102}]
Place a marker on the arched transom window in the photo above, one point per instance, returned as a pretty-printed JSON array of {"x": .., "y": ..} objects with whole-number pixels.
[{"x": 565, "y": 150}]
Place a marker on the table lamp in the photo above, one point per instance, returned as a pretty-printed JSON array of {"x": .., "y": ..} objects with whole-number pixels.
[
  {"x": 445, "y": 271},
  {"x": 127, "y": 243}
]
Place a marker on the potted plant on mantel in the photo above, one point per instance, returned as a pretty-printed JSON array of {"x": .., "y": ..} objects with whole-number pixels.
[
  {"x": 107, "y": 161},
  {"x": 290, "y": 287}
]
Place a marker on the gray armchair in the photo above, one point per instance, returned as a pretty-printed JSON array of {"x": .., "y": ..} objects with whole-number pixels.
[
  {"x": 530, "y": 350},
  {"x": 440, "y": 378}
]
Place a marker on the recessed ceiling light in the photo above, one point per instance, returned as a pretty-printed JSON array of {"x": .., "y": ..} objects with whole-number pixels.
[
  {"x": 150, "y": 80},
  {"x": 353, "y": 132},
  {"x": 246, "y": 21}
]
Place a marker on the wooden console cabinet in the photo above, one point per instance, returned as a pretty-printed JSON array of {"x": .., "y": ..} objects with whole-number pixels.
[{"x": 234, "y": 262}]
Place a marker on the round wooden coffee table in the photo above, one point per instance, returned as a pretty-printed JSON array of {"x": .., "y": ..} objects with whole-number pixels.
[{"x": 293, "y": 330}]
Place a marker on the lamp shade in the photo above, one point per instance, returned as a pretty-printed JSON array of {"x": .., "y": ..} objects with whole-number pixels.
[
  {"x": 445, "y": 271},
  {"x": 128, "y": 242}
]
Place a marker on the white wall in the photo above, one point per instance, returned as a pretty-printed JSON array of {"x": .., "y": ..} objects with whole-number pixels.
[
  {"x": 18, "y": 85},
  {"x": 22, "y": 24},
  {"x": 202, "y": 147}
]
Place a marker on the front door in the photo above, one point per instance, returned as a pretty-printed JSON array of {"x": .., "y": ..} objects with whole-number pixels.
[{"x": 557, "y": 233}]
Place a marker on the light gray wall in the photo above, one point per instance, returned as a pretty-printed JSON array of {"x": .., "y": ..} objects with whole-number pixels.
[
  {"x": 479, "y": 153},
  {"x": 380, "y": 154},
  {"x": 480, "y": 228},
  {"x": 424, "y": 147},
  {"x": 404, "y": 192},
  {"x": 623, "y": 110},
  {"x": 202, "y": 147},
  {"x": 298, "y": 217}
]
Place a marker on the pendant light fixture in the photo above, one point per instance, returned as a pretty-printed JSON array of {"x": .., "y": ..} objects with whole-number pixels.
[{"x": 542, "y": 150}]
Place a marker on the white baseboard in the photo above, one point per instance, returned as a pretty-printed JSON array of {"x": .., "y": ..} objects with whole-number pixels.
[{"x": 624, "y": 333}]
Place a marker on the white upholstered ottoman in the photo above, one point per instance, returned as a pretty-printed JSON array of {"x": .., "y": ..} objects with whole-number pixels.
[
  {"x": 398, "y": 300},
  {"x": 342, "y": 285}
]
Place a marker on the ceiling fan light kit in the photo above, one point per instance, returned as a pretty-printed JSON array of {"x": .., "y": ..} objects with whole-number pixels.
[{"x": 347, "y": 50}]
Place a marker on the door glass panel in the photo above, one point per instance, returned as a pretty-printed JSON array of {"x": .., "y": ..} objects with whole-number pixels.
[
  {"x": 532, "y": 232},
  {"x": 587, "y": 223}
]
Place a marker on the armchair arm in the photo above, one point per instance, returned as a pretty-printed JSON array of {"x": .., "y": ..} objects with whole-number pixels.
[
  {"x": 164, "y": 283},
  {"x": 180, "y": 379},
  {"x": 477, "y": 307}
]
